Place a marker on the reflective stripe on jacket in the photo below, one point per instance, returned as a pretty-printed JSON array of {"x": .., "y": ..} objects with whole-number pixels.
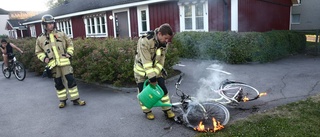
[
  {"x": 54, "y": 46},
  {"x": 150, "y": 57}
]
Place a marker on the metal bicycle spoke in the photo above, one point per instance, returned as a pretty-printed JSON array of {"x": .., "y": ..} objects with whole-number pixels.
[
  {"x": 207, "y": 113},
  {"x": 19, "y": 71},
  {"x": 6, "y": 72},
  {"x": 217, "y": 111},
  {"x": 240, "y": 92}
]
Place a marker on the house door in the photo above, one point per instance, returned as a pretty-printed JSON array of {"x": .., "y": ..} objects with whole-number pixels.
[{"x": 122, "y": 24}]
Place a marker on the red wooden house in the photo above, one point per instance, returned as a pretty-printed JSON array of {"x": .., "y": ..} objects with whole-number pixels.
[
  {"x": 16, "y": 29},
  {"x": 130, "y": 18}
]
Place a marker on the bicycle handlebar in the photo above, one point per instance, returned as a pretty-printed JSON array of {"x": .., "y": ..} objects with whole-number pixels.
[{"x": 179, "y": 80}]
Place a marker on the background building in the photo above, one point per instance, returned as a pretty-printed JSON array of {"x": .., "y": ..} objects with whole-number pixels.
[
  {"x": 131, "y": 18},
  {"x": 305, "y": 17},
  {"x": 4, "y": 16}
]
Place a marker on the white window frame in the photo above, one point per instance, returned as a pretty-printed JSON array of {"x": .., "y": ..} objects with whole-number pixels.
[
  {"x": 96, "y": 34},
  {"x": 33, "y": 32},
  {"x": 205, "y": 18},
  {"x": 139, "y": 9},
  {"x": 64, "y": 26}
]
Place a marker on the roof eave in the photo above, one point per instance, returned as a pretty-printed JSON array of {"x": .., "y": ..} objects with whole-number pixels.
[
  {"x": 101, "y": 10},
  {"x": 9, "y": 24},
  {"x": 295, "y": 1}
]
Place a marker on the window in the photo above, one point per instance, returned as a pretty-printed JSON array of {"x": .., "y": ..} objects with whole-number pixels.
[
  {"x": 96, "y": 26},
  {"x": 194, "y": 16},
  {"x": 199, "y": 16},
  {"x": 188, "y": 17},
  {"x": 143, "y": 19},
  {"x": 295, "y": 19},
  {"x": 65, "y": 26},
  {"x": 33, "y": 31}
]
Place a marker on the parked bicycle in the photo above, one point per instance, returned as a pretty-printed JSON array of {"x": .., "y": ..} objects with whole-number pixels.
[
  {"x": 14, "y": 67},
  {"x": 201, "y": 116},
  {"x": 232, "y": 93}
]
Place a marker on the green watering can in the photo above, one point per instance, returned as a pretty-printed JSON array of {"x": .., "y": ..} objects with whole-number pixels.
[{"x": 151, "y": 96}]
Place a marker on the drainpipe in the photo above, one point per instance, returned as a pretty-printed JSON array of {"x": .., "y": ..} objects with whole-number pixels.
[
  {"x": 226, "y": 22},
  {"x": 234, "y": 15}
]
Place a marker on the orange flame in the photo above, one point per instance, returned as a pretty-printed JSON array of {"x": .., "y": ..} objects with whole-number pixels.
[
  {"x": 216, "y": 126},
  {"x": 262, "y": 94},
  {"x": 245, "y": 99}
]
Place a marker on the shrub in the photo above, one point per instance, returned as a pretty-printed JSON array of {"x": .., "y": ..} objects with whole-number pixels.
[
  {"x": 242, "y": 47},
  {"x": 110, "y": 60},
  {"x": 101, "y": 60},
  {"x": 104, "y": 60}
]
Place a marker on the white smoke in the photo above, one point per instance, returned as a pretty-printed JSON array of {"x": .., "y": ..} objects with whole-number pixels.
[{"x": 211, "y": 81}]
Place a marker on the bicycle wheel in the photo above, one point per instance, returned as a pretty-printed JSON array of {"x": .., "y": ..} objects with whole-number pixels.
[
  {"x": 240, "y": 92},
  {"x": 6, "y": 72},
  {"x": 19, "y": 71},
  {"x": 206, "y": 113}
]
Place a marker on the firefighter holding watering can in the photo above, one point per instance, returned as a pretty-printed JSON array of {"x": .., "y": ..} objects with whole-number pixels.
[{"x": 149, "y": 65}]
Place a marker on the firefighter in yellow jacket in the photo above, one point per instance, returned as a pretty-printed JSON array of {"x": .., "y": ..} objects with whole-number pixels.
[
  {"x": 55, "y": 48},
  {"x": 149, "y": 64}
]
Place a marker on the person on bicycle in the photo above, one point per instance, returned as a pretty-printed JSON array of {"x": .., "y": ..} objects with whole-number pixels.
[
  {"x": 149, "y": 64},
  {"x": 7, "y": 51},
  {"x": 55, "y": 48}
]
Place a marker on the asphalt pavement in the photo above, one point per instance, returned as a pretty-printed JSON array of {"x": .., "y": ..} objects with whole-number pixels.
[{"x": 30, "y": 107}]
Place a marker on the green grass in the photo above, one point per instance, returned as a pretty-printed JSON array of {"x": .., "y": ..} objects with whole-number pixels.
[{"x": 296, "y": 119}]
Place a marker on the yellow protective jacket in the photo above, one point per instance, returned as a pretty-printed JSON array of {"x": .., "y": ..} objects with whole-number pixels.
[
  {"x": 54, "y": 46},
  {"x": 150, "y": 56}
]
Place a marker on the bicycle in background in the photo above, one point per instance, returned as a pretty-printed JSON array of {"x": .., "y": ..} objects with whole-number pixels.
[{"x": 15, "y": 67}]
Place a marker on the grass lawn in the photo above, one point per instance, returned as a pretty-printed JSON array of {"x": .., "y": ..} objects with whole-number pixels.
[{"x": 296, "y": 119}]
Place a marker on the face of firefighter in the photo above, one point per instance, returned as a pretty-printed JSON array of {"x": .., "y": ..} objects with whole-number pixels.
[
  {"x": 50, "y": 26},
  {"x": 163, "y": 38}
]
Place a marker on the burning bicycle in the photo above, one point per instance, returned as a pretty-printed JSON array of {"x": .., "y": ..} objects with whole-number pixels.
[
  {"x": 212, "y": 114},
  {"x": 232, "y": 93},
  {"x": 201, "y": 116}
]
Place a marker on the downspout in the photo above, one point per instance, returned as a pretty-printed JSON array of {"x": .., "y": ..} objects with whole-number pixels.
[{"x": 226, "y": 24}]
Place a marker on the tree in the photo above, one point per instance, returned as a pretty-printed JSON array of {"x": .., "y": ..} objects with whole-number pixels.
[{"x": 54, "y": 3}]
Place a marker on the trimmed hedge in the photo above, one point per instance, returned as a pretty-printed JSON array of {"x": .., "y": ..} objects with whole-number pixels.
[
  {"x": 239, "y": 47},
  {"x": 98, "y": 60},
  {"x": 110, "y": 60}
]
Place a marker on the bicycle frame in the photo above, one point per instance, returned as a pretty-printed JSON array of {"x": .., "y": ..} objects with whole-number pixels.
[
  {"x": 224, "y": 97},
  {"x": 11, "y": 63},
  {"x": 237, "y": 97},
  {"x": 187, "y": 105}
]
